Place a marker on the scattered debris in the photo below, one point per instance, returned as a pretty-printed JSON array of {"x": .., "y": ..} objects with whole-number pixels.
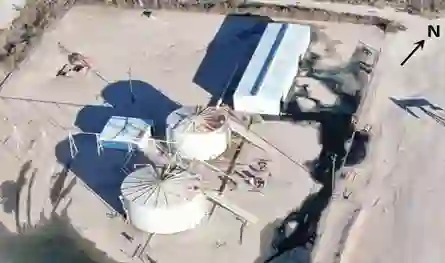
[
  {"x": 127, "y": 236},
  {"x": 219, "y": 244},
  {"x": 256, "y": 175},
  {"x": 346, "y": 194},
  {"x": 242, "y": 214},
  {"x": 147, "y": 13}
]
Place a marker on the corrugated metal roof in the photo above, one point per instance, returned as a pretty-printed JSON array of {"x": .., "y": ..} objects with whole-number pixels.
[
  {"x": 272, "y": 68},
  {"x": 269, "y": 58},
  {"x": 125, "y": 129},
  {"x": 258, "y": 59},
  {"x": 284, "y": 65}
]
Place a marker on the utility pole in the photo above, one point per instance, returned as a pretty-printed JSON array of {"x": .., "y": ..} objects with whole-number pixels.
[{"x": 334, "y": 160}]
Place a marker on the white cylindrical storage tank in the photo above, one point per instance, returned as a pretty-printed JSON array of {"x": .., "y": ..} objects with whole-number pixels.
[
  {"x": 197, "y": 133},
  {"x": 162, "y": 204}
]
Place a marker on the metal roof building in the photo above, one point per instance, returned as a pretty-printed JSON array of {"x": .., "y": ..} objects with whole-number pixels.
[{"x": 272, "y": 68}]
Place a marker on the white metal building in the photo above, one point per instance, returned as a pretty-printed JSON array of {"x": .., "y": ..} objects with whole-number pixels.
[{"x": 272, "y": 68}]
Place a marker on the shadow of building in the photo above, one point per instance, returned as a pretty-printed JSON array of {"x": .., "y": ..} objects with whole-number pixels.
[
  {"x": 336, "y": 131},
  {"x": 228, "y": 55},
  {"x": 101, "y": 173},
  {"x": 428, "y": 108},
  {"x": 138, "y": 100},
  {"x": 53, "y": 239}
]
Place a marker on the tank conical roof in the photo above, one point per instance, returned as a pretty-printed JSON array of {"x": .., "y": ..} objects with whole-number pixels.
[
  {"x": 152, "y": 188},
  {"x": 197, "y": 119}
]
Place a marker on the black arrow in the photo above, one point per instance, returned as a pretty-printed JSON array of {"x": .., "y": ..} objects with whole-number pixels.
[{"x": 419, "y": 44}]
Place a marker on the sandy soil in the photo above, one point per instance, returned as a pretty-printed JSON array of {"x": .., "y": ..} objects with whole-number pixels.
[
  {"x": 8, "y": 13},
  {"x": 33, "y": 99},
  {"x": 421, "y": 7},
  {"x": 395, "y": 207},
  {"x": 406, "y": 161},
  {"x": 394, "y": 201}
]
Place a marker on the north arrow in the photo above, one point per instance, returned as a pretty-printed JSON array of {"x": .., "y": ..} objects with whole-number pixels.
[{"x": 419, "y": 44}]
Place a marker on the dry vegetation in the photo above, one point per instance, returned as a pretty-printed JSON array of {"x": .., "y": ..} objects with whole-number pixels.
[
  {"x": 24, "y": 32},
  {"x": 411, "y": 6},
  {"x": 38, "y": 15}
]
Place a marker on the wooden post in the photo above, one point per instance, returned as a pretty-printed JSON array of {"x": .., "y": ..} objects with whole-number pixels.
[
  {"x": 17, "y": 137},
  {"x": 121, "y": 3},
  {"x": 133, "y": 98},
  {"x": 73, "y": 147},
  {"x": 227, "y": 87},
  {"x": 229, "y": 170},
  {"x": 232, "y": 164},
  {"x": 99, "y": 145},
  {"x": 334, "y": 159},
  {"x": 420, "y": 5}
]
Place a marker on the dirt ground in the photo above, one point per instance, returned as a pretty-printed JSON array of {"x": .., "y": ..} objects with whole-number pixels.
[
  {"x": 44, "y": 109},
  {"x": 392, "y": 212},
  {"x": 36, "y": 16}
]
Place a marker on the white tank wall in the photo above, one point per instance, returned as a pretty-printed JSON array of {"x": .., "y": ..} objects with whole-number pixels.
[
  {"x": 199, "y": 146},
  {"x": 8, "y": 12},
  {"x": 162, "y": 206},
  {"x": 167, "y": 221}
]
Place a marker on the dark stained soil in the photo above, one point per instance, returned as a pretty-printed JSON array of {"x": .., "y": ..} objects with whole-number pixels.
[{"x": 53, "y": 240}]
